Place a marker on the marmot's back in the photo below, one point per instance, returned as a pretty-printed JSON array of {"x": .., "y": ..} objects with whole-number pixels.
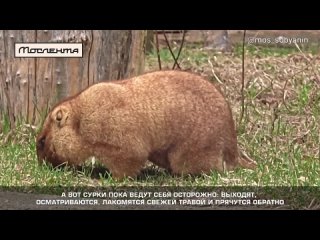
[{"x": 167, "y": 106}]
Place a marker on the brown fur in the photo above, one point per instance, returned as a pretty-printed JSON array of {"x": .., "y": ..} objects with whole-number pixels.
[{"x": 175, "y": 119}]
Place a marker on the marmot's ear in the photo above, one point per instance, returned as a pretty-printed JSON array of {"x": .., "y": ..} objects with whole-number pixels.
[{"x": 60, "y": 115}]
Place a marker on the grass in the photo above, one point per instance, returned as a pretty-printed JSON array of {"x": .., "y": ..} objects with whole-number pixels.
[{"x": 280, "y": 128}]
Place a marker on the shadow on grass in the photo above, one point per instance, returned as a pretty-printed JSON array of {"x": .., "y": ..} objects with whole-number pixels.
[
  {"x": 95, "y": 172},
  {"x": 99, "y": 172},
  {"x": 149, "y": 172}
]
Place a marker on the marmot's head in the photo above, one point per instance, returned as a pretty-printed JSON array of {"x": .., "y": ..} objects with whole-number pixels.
[{"x": 58, "y": 143}]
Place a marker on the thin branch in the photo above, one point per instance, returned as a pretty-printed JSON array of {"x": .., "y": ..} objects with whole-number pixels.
[
  {"x": 158, "y": 52},
  {"x": 242, "y": 82},
  {"x": 172, "y": 54},
  {"x": 182, "y": 42},
  {"x": 89, "y": 58}
]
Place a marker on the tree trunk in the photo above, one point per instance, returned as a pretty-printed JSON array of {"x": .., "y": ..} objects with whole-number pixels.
[
  {"x": 217, "y": 39},
  {"x": 30, "y": 86}
]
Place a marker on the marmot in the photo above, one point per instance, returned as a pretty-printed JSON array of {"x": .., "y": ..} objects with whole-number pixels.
[{"x": 175, "y": 119}]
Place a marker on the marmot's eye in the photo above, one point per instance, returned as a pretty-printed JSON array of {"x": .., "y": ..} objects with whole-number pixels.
[{"x": 41, "y": 142}]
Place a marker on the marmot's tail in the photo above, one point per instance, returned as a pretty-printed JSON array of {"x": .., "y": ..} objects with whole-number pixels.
[{"x": 245, "y": 161}]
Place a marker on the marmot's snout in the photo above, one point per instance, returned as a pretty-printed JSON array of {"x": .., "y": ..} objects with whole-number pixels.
[
  {"x": 40, "y": 145},
  {"x": 41, "y": 142}
]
